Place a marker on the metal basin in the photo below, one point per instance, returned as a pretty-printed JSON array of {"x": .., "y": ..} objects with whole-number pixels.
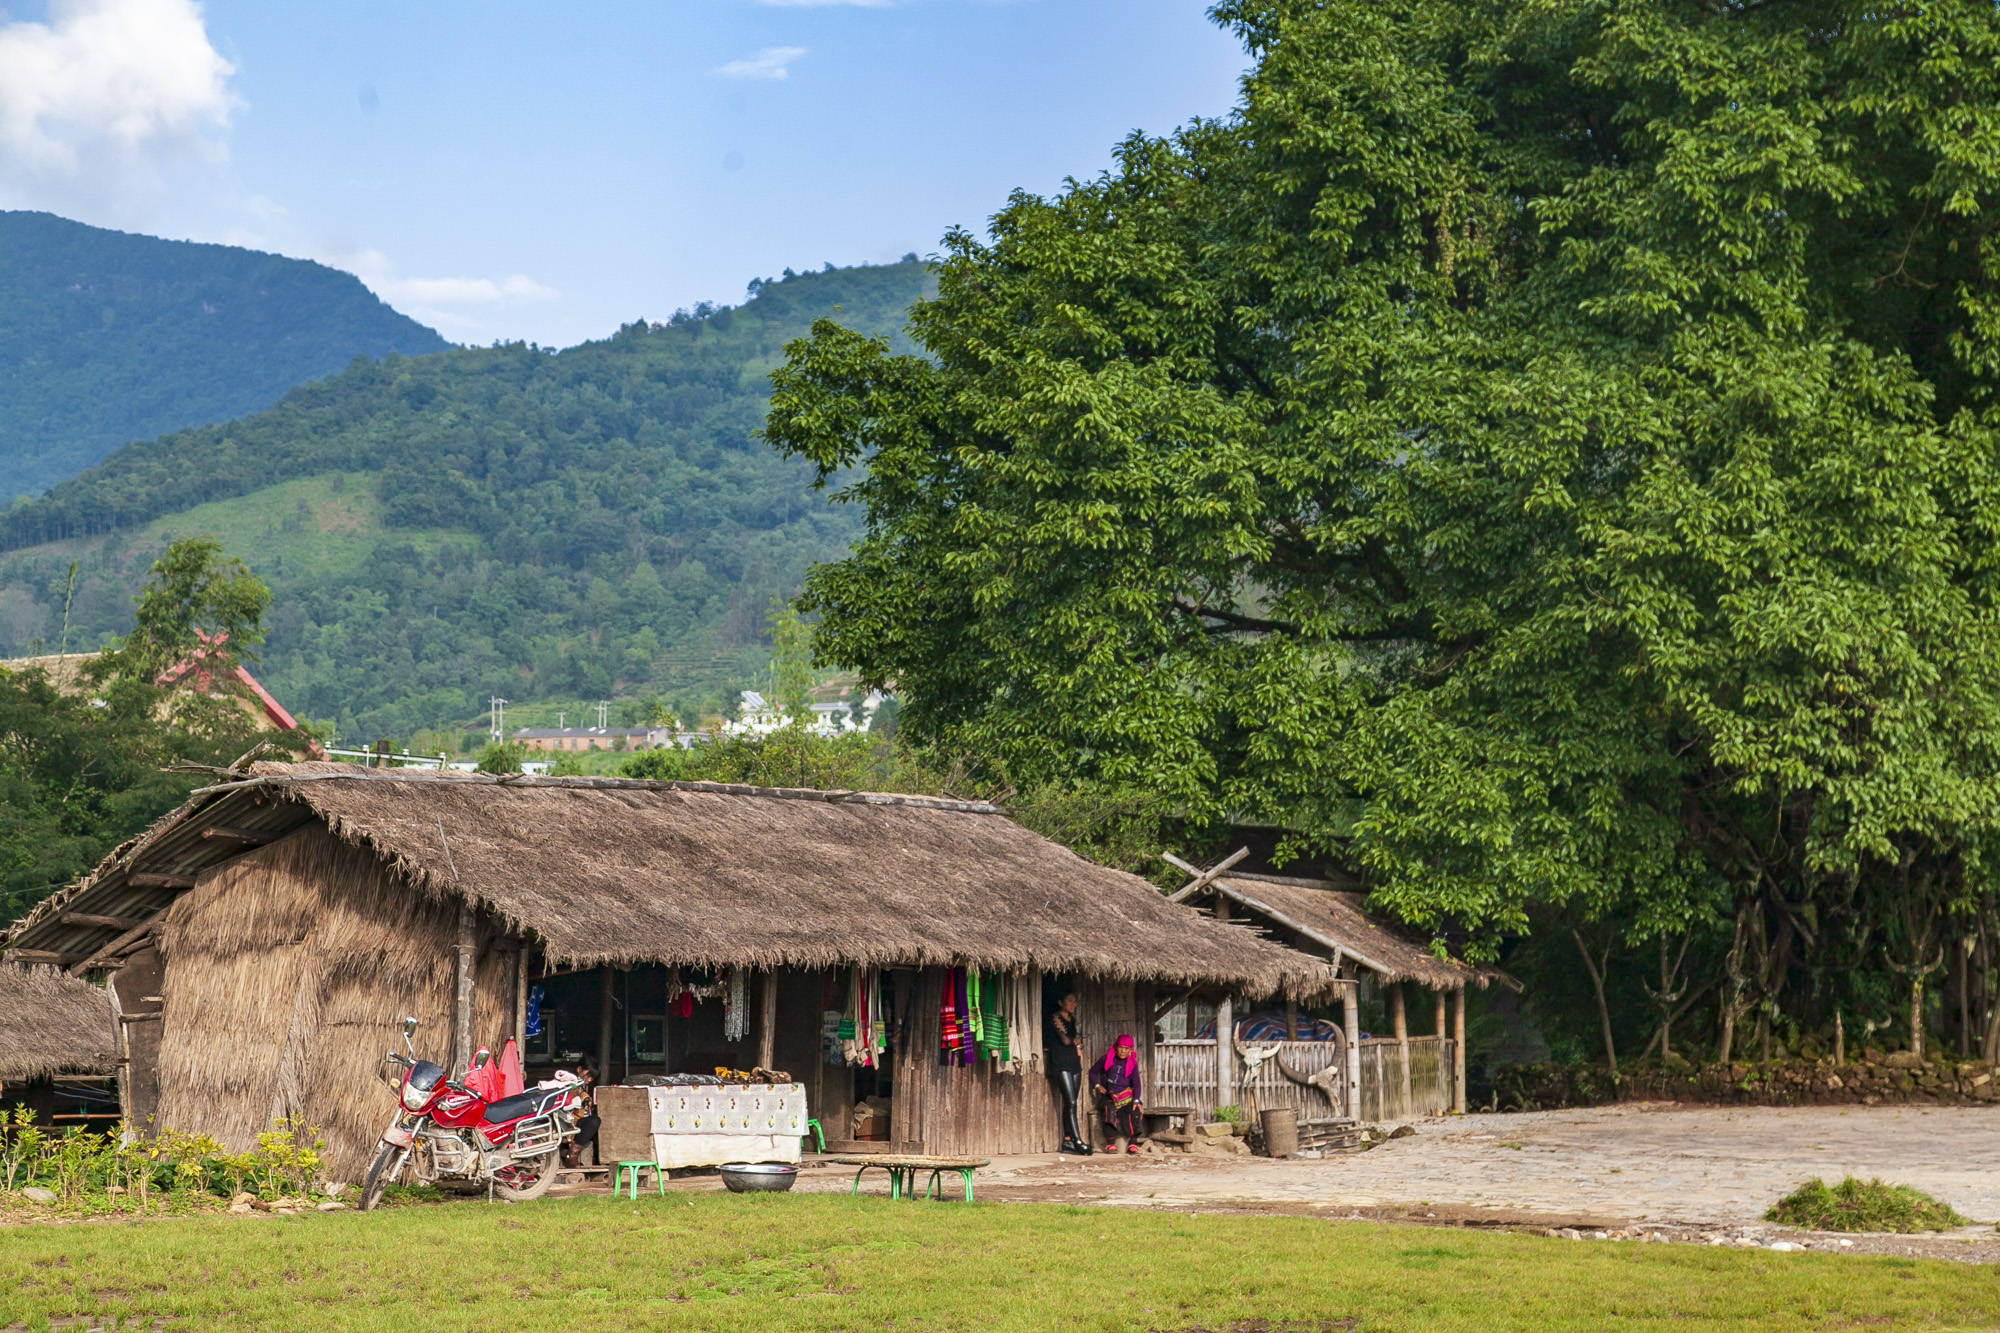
[{"x": 757, "y": 1177}]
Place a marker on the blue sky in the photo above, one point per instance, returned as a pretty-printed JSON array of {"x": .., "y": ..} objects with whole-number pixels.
[{"x": 548, "y": 172}]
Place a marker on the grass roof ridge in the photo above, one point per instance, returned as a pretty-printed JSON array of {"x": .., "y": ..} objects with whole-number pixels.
[{"x": 278, "y": 774}]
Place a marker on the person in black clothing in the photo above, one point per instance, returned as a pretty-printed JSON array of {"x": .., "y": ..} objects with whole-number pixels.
[{"x": 1065, "y": 1054}]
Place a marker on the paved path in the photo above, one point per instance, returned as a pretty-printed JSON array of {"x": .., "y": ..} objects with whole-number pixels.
[{"x": 1618, "y": 1166}]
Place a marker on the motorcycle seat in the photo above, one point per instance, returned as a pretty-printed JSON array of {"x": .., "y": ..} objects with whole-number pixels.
[{"x": 519, "y": 1105}]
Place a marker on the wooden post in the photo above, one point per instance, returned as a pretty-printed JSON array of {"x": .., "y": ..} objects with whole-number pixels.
[
  {"x": 1458, "y": 1050},
  {"x": 1400, "y": 1021},
  {"x": 467, "y": 947},
  {"x": 604, "y": 1015},
  {"x": 1225, "y": 1052},
  {"x": 521, "y": 1001},
  {"x": 1350, "y": 1021},
  {"x": 1437, "y": 1020},
  {"x": 1291, "y": 1020},
  {"x": 767, "y": 1038}
]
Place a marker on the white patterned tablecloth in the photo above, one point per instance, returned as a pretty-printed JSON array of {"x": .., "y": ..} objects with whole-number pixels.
[{"x": 704, "y": 1125}]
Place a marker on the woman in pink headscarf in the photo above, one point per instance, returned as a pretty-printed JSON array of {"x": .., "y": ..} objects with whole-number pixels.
[{"x": 1115, "y": 1079}]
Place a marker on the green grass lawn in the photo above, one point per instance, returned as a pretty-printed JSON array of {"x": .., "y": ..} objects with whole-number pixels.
[{"x": 717, "y": 1261}]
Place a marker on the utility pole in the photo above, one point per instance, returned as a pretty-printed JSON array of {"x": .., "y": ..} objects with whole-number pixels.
[
  {"x": 498, "y": 707},
  {"x": 562, "y": 720},
  {"x": 603, "y": 714}
]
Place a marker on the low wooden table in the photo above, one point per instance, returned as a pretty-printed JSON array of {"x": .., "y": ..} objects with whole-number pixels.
[{"x": 903, "y": 1171}]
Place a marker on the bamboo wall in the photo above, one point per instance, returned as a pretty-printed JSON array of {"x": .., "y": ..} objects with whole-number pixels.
[
  {"x": 952, "y": 1111},
  {"x": 288, "y": 973}
]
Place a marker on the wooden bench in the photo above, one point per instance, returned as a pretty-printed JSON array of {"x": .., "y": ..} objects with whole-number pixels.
[{"x": 903, "y": 1172}]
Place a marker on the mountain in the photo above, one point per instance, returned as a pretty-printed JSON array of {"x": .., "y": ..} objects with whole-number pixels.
[
  {"x": 107, "y": 337},
  {"x": 481, "y": 521}
]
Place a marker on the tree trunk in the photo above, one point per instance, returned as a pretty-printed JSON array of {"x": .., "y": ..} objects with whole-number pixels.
[
  {"x": 1917, "y": 1011},
  {"x": 1597, "y": 984}
]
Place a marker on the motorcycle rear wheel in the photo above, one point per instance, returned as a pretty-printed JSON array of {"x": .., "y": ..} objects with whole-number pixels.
[
  {"x": 387, "y": 1165},
  {"x": 543, "y": 1170}
]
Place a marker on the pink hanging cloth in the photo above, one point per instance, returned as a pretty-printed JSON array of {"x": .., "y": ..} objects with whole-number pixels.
[
  {"x": 482, "y": 1079},
  {"x": 511, "y": 1079}
]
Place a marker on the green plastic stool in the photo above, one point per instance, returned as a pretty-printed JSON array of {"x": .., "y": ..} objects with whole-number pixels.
[
  {"x": 818, "y": 1137},
  {"x": 630, "y": 1171}
]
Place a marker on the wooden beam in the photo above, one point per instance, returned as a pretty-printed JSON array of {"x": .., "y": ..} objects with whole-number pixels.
[
  {"x": 1400, "y": 1022},
  {"x": 521, "y": 1000},
  {"x": 1201, "y": 877},
  {"x": 119, "y": 923},
  {"x": 1459, "y": 1049},
  {"x": 255, "y": 837},
  {"x": 767, "y": 1037},
  {"x": 151, "y": 879},
  {"x": 1225, "y": 1052},
  {"x": 42, "y": 956},
  {"x": 605, "y": 1003},
  {"x": 467, "y": 949},
  {"x": 119, "y": 945},
  {"x": 1350, "y": 1021}
]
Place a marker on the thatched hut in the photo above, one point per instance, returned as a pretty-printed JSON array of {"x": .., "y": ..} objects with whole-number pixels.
[
  {"x": 294, "y": 914},
  {"x": 57, "y": 1029},
  {"x": 1391, "y": 1074}
]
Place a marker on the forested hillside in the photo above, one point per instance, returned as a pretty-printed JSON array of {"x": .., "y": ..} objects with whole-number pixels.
[
  {"x": 107, "y": 337},
  {"x": 493, "y": 520}
]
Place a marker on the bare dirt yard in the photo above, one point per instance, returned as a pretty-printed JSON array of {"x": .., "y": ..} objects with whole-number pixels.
[{"x": 1633, "y": 1172}]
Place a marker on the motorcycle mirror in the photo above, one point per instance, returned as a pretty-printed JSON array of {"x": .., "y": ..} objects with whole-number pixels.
[
  {"x": 481, "y": 1060},
  {"x": 409, "y": 1026}
]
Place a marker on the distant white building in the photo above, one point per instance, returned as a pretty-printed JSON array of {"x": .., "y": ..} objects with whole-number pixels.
[{"x": 758, "y": 716}]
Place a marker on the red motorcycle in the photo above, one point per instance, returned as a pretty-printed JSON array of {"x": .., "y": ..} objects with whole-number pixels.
[{"x": 443, "y": 1130}]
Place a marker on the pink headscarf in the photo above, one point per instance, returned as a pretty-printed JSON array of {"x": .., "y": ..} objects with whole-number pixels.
[{"x": 1125, "y": 1044}]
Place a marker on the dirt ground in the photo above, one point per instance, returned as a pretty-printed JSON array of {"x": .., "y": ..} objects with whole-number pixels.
[{"x": 1633, "y": 1172}]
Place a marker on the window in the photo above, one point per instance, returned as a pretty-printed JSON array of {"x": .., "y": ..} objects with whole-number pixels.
[
  {"x": 648, "y": 1039},
  {"x": 542, "y": 1046}
]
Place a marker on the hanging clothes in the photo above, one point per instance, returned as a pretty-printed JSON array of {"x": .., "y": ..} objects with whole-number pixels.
[
  {"x": 953, "y": 1038},
  {"x": 989, "y": 1010},
  {"x": 1024, "y": 1034}
]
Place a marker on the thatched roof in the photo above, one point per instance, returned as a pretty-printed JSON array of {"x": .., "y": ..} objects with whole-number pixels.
[
  {"x": 1340, "y": 922},
  {"x": 53, "y": 1024},
  {"x": 703, "y": 874}
]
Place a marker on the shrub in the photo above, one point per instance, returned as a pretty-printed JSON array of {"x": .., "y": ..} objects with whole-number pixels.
[
  {"x": 1854, "y": 1206},
  {"x": 184, "y": 1169}
]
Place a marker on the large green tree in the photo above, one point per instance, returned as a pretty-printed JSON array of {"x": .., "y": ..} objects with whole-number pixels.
[
  {"x": 1544, "y": 451},
  {"x": 93, "y": 748}
]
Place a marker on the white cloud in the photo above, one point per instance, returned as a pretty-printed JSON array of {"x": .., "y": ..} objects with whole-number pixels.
[
  {"x": 105, "y": 83},
  {"x": 773, "y": 62},
  {"x": 447, "y": 304}
]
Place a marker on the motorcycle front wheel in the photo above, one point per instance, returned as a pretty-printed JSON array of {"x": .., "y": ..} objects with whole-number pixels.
[
  {"x": 529, "y": 1179},
  {"x": 388, "y": 1164}
]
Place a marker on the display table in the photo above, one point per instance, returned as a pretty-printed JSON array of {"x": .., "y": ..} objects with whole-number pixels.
[
  {"x": 903, "y": 1172},
  {"x": 678, "y": 1125}
]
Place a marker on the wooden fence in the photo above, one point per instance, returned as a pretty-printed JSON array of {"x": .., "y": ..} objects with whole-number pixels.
[{"x": 1184, "y": 1075}]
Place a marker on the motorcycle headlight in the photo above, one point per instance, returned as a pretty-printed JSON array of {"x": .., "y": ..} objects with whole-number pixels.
[{"x": 414, "y": 1098}]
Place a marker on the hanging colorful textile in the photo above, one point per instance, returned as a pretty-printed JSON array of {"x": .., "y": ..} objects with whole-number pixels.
[
  {"x": 989, "y": 1015},
  {"x": 534, "y": 1024},
  {"x": 951, "y": 1032},
  {"x": 864, "y": 1028},
  {"x": 956, "y": 1035},
  {"x": 875, "y": 1034},
  {"x": 736, "y": 1006}
]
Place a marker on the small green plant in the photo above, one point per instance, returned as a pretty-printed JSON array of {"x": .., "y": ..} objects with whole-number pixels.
[
  {"x": 1854, "y": 1206},
  {"x": 1232, "y": 1114},
  {"x": 20, "y": 1146}
]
